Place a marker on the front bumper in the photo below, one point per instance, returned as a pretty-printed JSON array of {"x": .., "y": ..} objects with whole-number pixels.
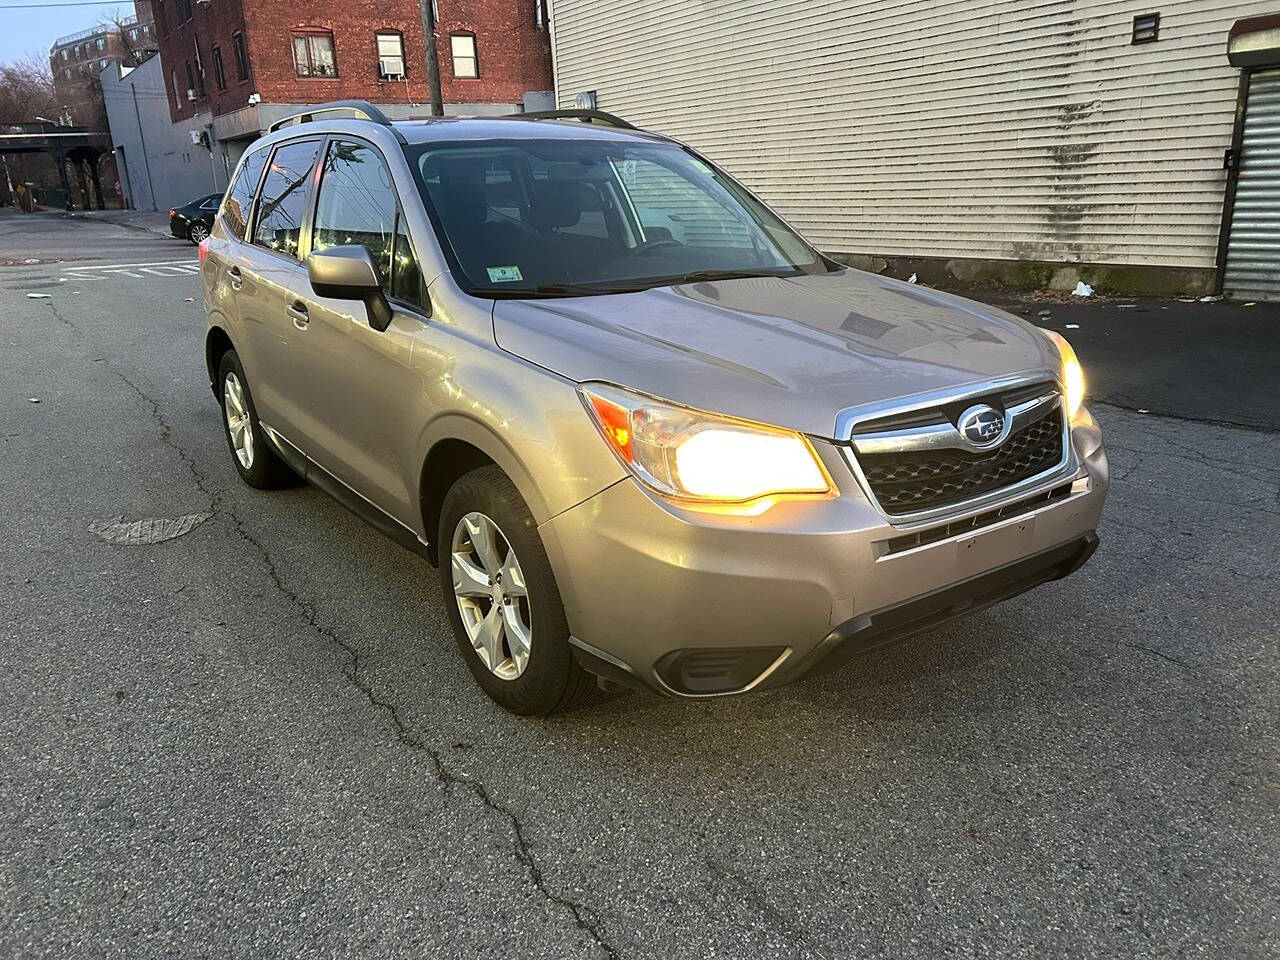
[{"x": 691, "y": 603}]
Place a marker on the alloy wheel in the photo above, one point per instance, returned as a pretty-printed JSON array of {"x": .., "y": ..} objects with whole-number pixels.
[
  {"x": 198, "y": 233},
  {"x": 238, "y": 424},
  {"x": 492, "y": 597}
]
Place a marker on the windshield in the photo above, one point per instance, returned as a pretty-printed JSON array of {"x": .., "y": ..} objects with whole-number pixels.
[{"x": 575, "y": 217}]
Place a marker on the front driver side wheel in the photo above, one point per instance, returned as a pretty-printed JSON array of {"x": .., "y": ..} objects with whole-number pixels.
[{"x": 503, "y": 602}]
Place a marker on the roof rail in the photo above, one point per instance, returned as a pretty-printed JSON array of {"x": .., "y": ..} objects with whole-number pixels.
[
  {"x": 586, "y": 116},
  {"x": 362, "y": 108}
]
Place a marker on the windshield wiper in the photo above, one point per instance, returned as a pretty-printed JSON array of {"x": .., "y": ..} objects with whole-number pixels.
[
  {"x": 707, "y": 276},
  {"x": 561, "y": 290}
]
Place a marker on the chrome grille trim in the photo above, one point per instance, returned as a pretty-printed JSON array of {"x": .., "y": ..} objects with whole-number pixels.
[
  {"x": 944, "y": 436},
  {"x": 1067, "y": 467}
]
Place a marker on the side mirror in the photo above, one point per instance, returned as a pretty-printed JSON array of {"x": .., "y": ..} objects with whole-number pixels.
[{"x": 347, "y": 273}]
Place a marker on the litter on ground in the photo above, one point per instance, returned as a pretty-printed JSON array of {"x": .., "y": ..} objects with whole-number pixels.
[
  {"x": 911, "y": 279},
  {"x": 1073, "y": 326},
  {"x": 38, "y": 296},
  {"x": 1082, "y": 289}
]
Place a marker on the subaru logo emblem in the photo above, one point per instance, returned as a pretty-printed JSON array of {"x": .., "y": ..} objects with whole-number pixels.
[{"x": 982, "y": 425}]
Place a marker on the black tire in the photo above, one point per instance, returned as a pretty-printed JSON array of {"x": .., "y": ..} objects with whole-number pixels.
[
  {"x": 552, "y": 680},
  {"x": 197, "y": 232},
  {"x": 266, "y": 471}
]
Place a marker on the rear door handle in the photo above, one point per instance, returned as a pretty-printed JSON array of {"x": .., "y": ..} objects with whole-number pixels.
[
  {"x": 235, "y": 277},
  {"x": 298, "y": 310}
]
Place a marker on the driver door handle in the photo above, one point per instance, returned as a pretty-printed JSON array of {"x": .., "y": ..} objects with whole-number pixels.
[{"x": 298, "y": 310}]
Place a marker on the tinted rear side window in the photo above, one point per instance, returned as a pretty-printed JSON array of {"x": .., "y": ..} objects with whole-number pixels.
[
  {"x": 278, "y": 225},
  {"x": 240, "y": 196}
]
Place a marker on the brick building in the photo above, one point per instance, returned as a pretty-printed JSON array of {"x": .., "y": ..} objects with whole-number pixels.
[{"x": 233, "y": 67}]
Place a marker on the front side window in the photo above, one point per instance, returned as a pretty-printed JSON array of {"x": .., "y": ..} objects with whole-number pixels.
[
  {"x": 278, "y": 224},
  {"x": 463, "y": 48},
  {"x": 518, "y": 216},
  {"x": 357, "y": 204},
  {"x": 313, "y": 55},
  {"x": 390, "y": 55},
  {"x": 235, "y": 209}
]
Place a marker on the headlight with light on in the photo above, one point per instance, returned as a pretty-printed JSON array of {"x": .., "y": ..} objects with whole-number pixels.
[
  {"x": 1072, "y": 374},
  {"x": 693, "y": 455}
]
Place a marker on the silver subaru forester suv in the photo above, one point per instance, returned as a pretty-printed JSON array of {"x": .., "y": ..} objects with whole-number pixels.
[{"x": 647, "y": 433}]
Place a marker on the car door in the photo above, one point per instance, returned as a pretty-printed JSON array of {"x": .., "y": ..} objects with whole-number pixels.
[
  {"x": 357, "y": 390},
  {"x": 273, "y": 283}
]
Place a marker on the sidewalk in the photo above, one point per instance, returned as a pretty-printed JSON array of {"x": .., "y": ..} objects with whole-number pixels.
[{"x": 156, "y": 222}]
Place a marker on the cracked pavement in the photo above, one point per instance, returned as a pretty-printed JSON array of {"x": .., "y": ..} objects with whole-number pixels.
[{"x": 258, "y": 740}]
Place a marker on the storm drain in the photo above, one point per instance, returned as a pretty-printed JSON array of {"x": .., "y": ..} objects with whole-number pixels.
[{"x": 137, "y": 533}]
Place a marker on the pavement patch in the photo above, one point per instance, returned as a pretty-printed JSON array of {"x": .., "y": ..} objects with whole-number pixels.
[{"x": 140, "y": 533}]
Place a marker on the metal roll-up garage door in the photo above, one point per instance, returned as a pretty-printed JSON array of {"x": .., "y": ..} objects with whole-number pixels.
[{"x": 1253, "y": 248}]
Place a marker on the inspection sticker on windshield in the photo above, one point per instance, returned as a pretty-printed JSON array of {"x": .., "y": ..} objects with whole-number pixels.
[{"x": 504, "y": 274}]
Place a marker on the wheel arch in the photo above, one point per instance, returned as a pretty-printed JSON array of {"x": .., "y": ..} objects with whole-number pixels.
[
  {"x": 457, "y": 445},
  {"x": 216, "y": 344}
]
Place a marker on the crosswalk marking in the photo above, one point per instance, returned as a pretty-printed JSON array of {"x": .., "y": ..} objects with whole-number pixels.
[{"x": 90, "y": 273}]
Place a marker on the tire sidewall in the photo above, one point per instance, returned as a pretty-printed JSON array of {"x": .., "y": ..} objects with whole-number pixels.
[
  {"x": 259, "y": 474},
  {"x": 541, "y": 688}
]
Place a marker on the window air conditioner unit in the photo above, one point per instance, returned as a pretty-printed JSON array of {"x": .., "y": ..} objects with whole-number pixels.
[
  {"x": 391, "y": 70},
  {"x": 191, "y": 95}
]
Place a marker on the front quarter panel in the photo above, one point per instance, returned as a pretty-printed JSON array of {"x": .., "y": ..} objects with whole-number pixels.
[{"x": 529, "y": 421}]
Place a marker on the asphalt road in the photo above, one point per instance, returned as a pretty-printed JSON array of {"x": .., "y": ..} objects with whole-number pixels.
[{"x": 257, "y": 739}]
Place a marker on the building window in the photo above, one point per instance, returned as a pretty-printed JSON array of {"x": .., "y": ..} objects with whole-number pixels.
[
  {"x": 100, "y": 43},
  {"x": 133, "y": 33},
  {"x": 313, "y": 55},
  {"x": 540, "y": 13},
  {"x": 463, "y": 48},
  {"x": 67, "y": 73},
  {"x": 158, "y": 14},
  {"x": 102, "y": 64},
  {"x": 242, "y": 56},
  {"x": 390, "y": 54},
  {"x": 146, "y": 29},
  {"x": 177, "y": 91},
  {"x": 219, "y": 72},
  {"x": 184, "y": 10},
  {"x": 63, "y": 52},
  {"x": 1146, "y": 28},
  {"x": 191, "y": 81},
  {"x": 200, "y": 75}
]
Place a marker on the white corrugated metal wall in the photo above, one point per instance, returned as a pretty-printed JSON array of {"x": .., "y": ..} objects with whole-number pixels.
[
  {"x": 1007, "y": 129},
  {"x": 1253, "y": 253}
]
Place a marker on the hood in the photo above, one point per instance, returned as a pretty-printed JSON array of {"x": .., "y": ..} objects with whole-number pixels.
[{"x": 789, "y": 351}]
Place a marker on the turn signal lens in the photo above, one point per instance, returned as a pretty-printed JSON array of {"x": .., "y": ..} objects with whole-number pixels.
[
  {"x": 692, "y": 455},
  {"x": 1072, "y": 373}
]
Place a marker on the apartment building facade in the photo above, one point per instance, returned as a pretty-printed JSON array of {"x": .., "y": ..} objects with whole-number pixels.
[
  {"x": 77, "y": 60},
  {"x": 1135, "y": 146},
  {"x": 233, "y": 67}
]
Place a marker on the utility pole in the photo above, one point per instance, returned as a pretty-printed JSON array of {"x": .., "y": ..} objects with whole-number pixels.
[{"x": 433, "y": 57}]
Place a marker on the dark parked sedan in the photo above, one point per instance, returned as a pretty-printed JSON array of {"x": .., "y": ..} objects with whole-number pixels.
[{"x": 194, "y": 221}]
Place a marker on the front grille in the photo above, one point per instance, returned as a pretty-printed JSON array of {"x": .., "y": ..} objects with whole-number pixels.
[{"x": 911, "y": 482}]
